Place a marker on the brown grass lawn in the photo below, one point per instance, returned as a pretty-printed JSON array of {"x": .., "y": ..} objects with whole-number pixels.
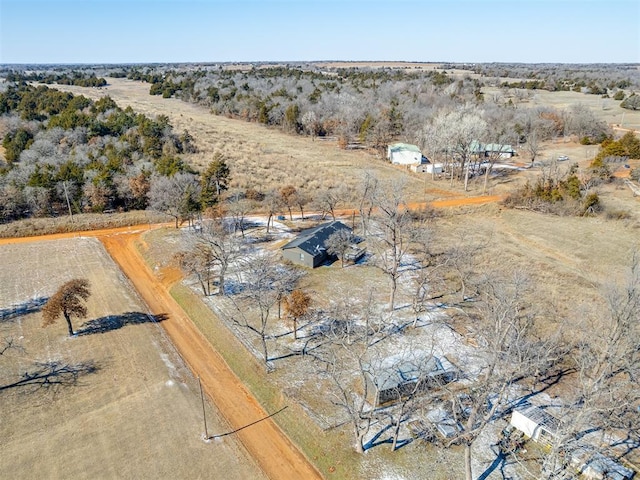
[{"x": 137, "y": 416}]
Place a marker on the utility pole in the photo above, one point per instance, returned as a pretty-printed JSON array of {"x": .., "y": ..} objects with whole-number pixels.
[
  {"x": 204, "y": 412},
  {"x": 66, "y": 194}
]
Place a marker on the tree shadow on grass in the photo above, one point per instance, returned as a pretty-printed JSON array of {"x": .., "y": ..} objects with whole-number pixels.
[
  {"x": 25, "y": 308},
  {"x": 115, "y": 322},
  {"x": 52, "y": 375}
]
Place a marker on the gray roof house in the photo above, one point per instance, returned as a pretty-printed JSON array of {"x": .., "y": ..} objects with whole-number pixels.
[
  {"x": 395, "y": 377},
  {"x": 491, "y": 150},
  {"x": 308, "y": 248}
]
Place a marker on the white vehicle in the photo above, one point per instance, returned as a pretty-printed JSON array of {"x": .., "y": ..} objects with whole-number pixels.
[{"x": 563, "y": 158}]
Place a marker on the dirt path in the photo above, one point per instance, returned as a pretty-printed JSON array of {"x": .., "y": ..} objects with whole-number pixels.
[{"x": 268, "y": 445}]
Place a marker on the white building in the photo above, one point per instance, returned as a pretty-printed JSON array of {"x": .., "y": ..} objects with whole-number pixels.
[
  {"x": 404, "y": 154},
  {"x": 535, "y": 423}
]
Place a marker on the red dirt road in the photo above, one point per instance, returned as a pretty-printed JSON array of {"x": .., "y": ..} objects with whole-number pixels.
[
  {"x": 269, "y": 446},
  {"x": 273, "y": 451}
]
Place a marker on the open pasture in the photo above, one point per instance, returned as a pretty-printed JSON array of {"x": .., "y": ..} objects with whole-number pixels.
[{"x": 116, "y": 400}]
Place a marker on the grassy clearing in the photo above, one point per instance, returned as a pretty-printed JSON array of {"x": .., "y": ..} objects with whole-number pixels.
[{"x": 81, "y": 222}]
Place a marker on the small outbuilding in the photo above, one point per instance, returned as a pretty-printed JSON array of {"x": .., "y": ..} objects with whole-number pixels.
[
  {"x": 397, "y": 376},
  {"x": 309, "y": 249},
  {"x": 404, "y": 154},
  {"x": 535, "y": 423},
  {"x": 595, "y": 466},
  {"x": 491, "y": 150}
]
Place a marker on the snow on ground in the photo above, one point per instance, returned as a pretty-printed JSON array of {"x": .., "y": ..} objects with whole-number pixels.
[{"x": 428, "y": 330}]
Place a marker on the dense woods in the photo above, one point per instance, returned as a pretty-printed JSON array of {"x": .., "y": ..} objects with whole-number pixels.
[
  {"x": 376, "y": 106},
  {"x": 68, "y": 154}
]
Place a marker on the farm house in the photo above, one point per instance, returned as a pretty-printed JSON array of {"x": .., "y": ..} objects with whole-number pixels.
[
  {"x": 397, "y": 376},
  {"x": 308, "y": 248},
  {"x": 404, "y": 154}
]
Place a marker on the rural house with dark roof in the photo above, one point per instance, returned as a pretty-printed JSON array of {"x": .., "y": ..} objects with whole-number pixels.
[{"x": 308, "y": 248}]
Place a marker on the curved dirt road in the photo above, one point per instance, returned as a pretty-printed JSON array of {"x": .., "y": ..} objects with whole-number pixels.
[{"x": 269, "y": 446}]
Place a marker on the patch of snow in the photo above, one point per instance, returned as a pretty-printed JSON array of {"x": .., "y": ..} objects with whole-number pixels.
[{"x": 169, "y": 364}]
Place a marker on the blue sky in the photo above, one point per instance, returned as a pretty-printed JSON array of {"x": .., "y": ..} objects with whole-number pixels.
[{"x": 136, "y": 31}]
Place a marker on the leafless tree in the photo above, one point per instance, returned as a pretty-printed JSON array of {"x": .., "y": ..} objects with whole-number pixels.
[
  {"x": 68, "y": 301},
  {"x": 176, "y": 196},
  {"x": 222, "y": 245},
  {"x": 301, "y": 199},
  {"x": 329, "y": 199},
  {"x": 508, "y": 351},
  {"x": 238, "y": 209},
  {"x": 366, "y": 195},
  {"x": 427, "y": 267},
  {"x": 603, "y": 395},
  {"x": 393, "y": 219},
  {"x": 338, "y": 244},
  {"x": 500, "y": 137},
  {"x": 346, "y": 354},
  {"x": 265, "y": 282},
  {"x": 421, "y": 384},
  {"x": 457, "y": 131},
  {"x": 198, "y": 260},
  {"x": 272, "y": 203}
]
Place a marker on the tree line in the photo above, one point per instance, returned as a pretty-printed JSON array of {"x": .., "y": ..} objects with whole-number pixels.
[
  {"x": 74, "y": 77},
  {"x": 373, "y": 107}
]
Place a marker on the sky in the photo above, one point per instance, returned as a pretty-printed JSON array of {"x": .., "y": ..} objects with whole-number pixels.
[{"x": 461, "y": 31}]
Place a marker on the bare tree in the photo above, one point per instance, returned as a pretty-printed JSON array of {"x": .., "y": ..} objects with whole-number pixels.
[
  {"x": 507, "y": 352},
  {"x": 393, "y": 218},
  {"x": 238, "y": 209},
  {"x": 265, "y": 283},
  {"x": 198, "y": 261},
  {"x": 427, "y": 267},
  {"x": 220, "y": 243},
  {"x": 330, "y": 199},
  {"x": 68, "y": 301},
  {"x": 301, "y": 199},
  {"x": 602, "y": 397},
  {"x": 272, "y": 203},
  {"x": 347, "y": 355},
  {"x": 366, "y": 195},
  {"x": 457, "y": 131},
  {"x": 338, "y": 243},
  {"x": 177, "y": 196}
]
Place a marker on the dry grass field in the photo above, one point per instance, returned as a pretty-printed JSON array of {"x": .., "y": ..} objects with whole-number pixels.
[
  {"x": 116, "y": 401},
  {"x": 259, "y": 157},
  {"x": 606, "y": 109}
]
